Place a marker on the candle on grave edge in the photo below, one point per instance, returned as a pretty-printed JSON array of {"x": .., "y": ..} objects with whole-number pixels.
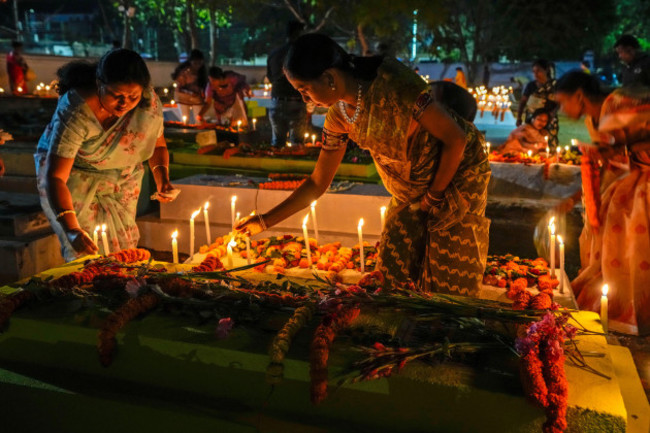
[
  {"x": 231, "y": 244},
  {"x": 361, "y": 259},
  {"x": 233, "y": 200},
  {"x": 551, "y": 231},
  {"x": 305, "y": 234},
  {"x": 208, "y": 237},
  {"x": 96, "y": 236},
  {"x": 313, "y": 217},
  {"x": 175, "y": 247},
  {"x": 254, "y": 124},
  {"x": 604, "y": 306},
  {"x": 382, "y": 214},
  {"x": 107, "y": 251},
  {"x": 196, "y": 212}
]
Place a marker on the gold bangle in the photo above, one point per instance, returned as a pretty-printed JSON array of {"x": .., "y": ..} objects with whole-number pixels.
[
  {"x": 64, "y": 213},
  {"x": 160, "y": 165}
]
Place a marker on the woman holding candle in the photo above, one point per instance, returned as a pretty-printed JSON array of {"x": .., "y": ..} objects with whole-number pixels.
[
  {"x": 615, "y": 245},
  {"x": 432, "y": 161},
  {"x": 539, "y": 93},
  {"x": 89, "y": 159}
]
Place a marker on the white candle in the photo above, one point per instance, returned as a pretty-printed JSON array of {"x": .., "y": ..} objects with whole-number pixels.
[
  {"x": 313, "y": 139},
  {"x": 382, "y": 214},
  {"x": 107, "y": 251},
  {"x": 548, "y": 151},
  {"x": 551, "y": 231},
  {"x": 306, "y": 138},
  {"x": 208, "y": 237},
  {"x": 487, "y": 145},
  {"x": 254, "y": 124},
  {"x": 239, "y": 126},
  {"x": 305, "y": 234},
  {"x": 561, "y": 272},
  {"x": 96, "y": 237},
  {"x": 313, "y": 217},
  {"x": 530, "y": 153},
  {"x": 194, "y": 214},
  {"x": 574, "y": 142},
  {"x": 566, "y": 148},
  {"x": 248, "y": 250},
  {"x": 361, "y": 259},
  {"x": 185, "y": 119},
  {"x": 604, "y": 306},
  {"x": 231, "y": 245},
  {"x": 175, "y": 247},
  {"x": 237, "y": 216},
  {"x": 172, "y": 102},
  {"x": 166, "y": 90},
  {"x": 557, "y": 152},
  {"x": 233, "y": 200}
]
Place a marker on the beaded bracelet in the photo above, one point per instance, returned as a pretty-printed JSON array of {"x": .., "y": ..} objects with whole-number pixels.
[{"x": 65, "y": 212}]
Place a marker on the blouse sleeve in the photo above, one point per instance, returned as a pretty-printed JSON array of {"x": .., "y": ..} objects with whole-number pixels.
[{"x": 335, "y": 131}]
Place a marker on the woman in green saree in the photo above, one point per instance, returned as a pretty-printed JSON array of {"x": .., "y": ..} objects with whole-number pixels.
[{"x": 431, "y": 160}]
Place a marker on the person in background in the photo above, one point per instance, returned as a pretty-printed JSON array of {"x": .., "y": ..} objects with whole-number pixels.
[
  {"x": 190, "y": 77},
  {"x": 225, "y": 92},
  {"x": 486, "y": 76},
  {"x": 529, "y": 136},
  {"x": 288, "y": 113},
  {"x": 89, "y": 159},
  {"x": 540, "y": 93},
  {"x": 614, "y": 244},
  {"x": 17, "y": 69},
  {"x": 460, "y": 79},
  {"x": 4, "y": 137},
  {"x": 432, "y": 162},
  {"x": 636, "y": 64}
]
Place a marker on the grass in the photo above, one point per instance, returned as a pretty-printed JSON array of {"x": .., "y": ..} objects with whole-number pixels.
[{"x": 572, "y": 129}]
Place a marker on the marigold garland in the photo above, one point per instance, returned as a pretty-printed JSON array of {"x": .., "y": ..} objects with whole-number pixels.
[
  {"x": 117, "y": 320},
  {"x": 210, "y": 264},
  {"x": 320, "y": 347},
  {"x": 131, "y": 255},
  {"x": 282, "y": 342}
]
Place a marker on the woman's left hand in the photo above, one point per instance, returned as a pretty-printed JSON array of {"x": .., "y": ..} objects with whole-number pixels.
[{"x": 163, "y": 190}]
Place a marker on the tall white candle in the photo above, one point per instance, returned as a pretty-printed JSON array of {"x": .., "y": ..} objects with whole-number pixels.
[
  {"x": 604, "y": 305},
  {"x": 313, "y": 217},
  {"x": 175, "y": 247},
  {"x": 254, "y": 124},
  {"x": 233, "y": 200},
  {"x": 194, "y": 214},
  {"x": 361, "y": 259},
  {"x": 107, "y": 251},
  {"x": 382, "y": 214},
  {"x": 248, "y": 250},
  {"x": 551, "y": 231},
  {"x": 229, "y": 248},
  {"x": 96, "y": 237},
  {"x": 487, "y": 146},
  {"x": 561, "y": 271},
  {"x": 313, "y": 139},
  {"x": 239, "y": 126},
  {"x": 185, "y": 120},
  {"x": 305, "y": 234},
  {"x": 206, "y": 219}
]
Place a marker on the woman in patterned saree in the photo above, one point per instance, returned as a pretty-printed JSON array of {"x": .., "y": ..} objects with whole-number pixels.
[
  {"x": 615, "y": 243},
  {"x": 89, "y": 159},
  {"x": 430, "y": 160}
]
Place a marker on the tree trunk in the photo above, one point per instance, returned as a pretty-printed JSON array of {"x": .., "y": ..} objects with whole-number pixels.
[
  {"x": 126, "y": 35},
  {"x": 191, "y": 25},
  {"x": 213, "y": 35},
  {"x": 362, "y": 40}
]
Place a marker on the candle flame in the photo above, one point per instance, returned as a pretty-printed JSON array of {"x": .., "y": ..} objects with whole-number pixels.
[
  {"x": 306, "y": 134},
  {"x": 574, "y": 142},
  {"x": 605, "y": 289},
  {"x": 232, "y": 242},
  {"x": 530, "y": 153},
  {"x": 206, "y": 205},
  {"x": 233, "y": 199},
  {"x": 196, "y": 212},
  {"x": 304, "y": 220},
  {"x": 382, "y": 210},
  {"x": 172, "y": 102},
  {"x": 559, "y": 239},
  {"x": 175, "y": 234},
  {"x": 254, "y": 120},
  {"x": 237, "y": 216},
  {"x": 551, "y": 221},
  {"x": 239, "y": 123},
  {"x": 313, "y": 204},
  {"x": 103, "y": 227},
  {"x": 566, "y": 148},
  {"x": 97, "y": 228},
  {"x": 360, "y": 223},
  {"x": 552, "y": 228}
]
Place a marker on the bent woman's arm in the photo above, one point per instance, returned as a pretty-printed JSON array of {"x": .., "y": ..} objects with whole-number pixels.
[{"x": 159, "y": 165}]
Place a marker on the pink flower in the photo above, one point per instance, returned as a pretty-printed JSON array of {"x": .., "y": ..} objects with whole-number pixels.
[{"x": 224, "y": 327}]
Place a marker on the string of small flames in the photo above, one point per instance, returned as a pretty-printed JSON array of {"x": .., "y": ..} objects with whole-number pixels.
[{"x": 497, "y": 100}]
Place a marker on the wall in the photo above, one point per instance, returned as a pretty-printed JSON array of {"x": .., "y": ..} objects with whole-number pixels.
[{"x": 45, "y": 68}]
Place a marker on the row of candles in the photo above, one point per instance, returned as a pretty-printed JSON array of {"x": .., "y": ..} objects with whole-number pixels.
[
  {"x": 496, "y": 100},
  {"x": 558, "y": 149},
  {"x": 234, "y": 217},
  {"x": 604, "y": 302}
]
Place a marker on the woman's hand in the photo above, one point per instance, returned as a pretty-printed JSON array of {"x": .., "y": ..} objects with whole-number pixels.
[
  {"x": 81, "y": 242},
  {"x": 251, "y": 225},
  {"x": 164, "y": 188}
]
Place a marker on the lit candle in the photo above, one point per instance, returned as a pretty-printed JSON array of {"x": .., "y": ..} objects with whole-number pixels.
[
  {"x": 557, "y": 151},
  {"x": 175, "y": 85},
  {"x": 233, "y": 199},
  {"x": 208, "y": 237},
  {"x": 305, "y": 234},
  {"x": 288, "y": 144},
  {"x": 487, "y": 145},
  {"x": 175, "y": 247},
  {"x": 166, "y": 90},
  {"x": 313, "y": 217},
  {"x": 551, "y": 231},
  {"x": 530, "y": 153},
  {"x": 185, "y": 119},
  {"x": 194, "y": 214},
  {"x": 361, "y": 259},
  {"x": 604, "y": 305},
  {"x": 566, "y": 148},
  {"x": 248, "y": 250},
  {"x": 561, "y": 272},
  {"x": 20, "y": 89},
  {"x": 548, "y": 151},
  {"x": 574, "y": 142},
  {"x": 382, "y": 213},
  {"x": 239, "y": 126},
  {"x": 96, "y": 237},
  {"x": 254, "y": 124},
  {"x": 105, "y": 240},
  {"x": 313, "y": 139},
  {"x": 231, "y": 245},
  {"x": 306, "y": 138},
  {"x": 172, "y": 102}
]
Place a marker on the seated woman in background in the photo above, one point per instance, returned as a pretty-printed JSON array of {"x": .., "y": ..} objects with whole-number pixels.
[
  {"x": 225, "y": 92},
  {"x": 532, "y": 135},
  {"x": 190, "y": 78}
]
